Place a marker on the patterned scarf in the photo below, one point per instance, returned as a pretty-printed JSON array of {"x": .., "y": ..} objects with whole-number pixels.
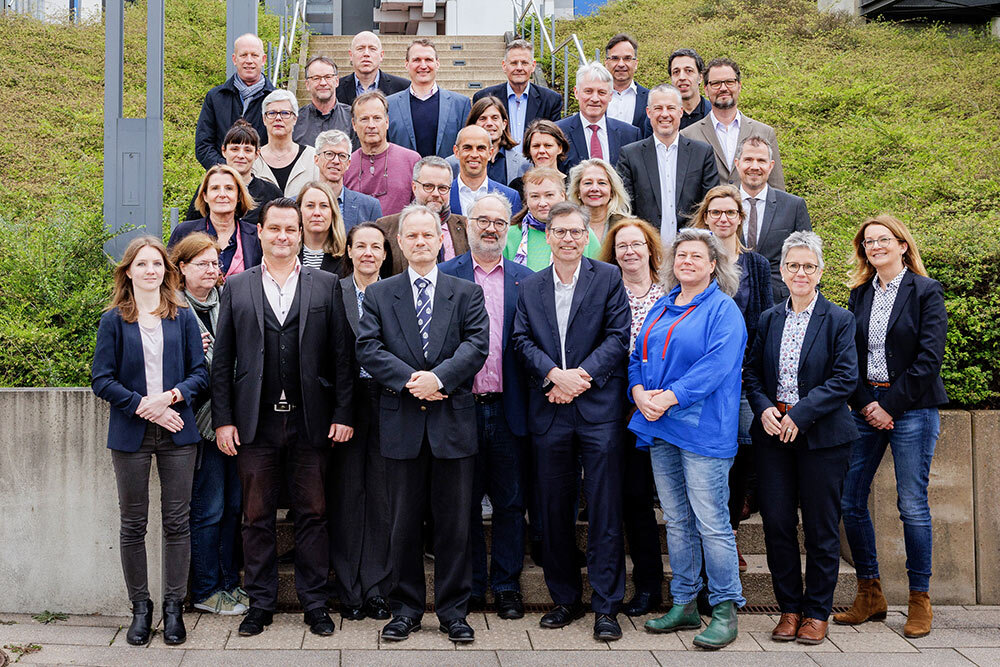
[
  {"x": 247, "y": 92},
  {"x": 528, "y": 222},
  {"x": 203, "y": 418}
]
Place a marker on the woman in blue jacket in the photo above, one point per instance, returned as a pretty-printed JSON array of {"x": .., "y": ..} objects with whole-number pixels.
[
  {"x": 149, "y": 365},
  {"x": 684, "y": 376}
]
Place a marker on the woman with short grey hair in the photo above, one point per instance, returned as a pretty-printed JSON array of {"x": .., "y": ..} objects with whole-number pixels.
[{"x": 282, "y": 161}]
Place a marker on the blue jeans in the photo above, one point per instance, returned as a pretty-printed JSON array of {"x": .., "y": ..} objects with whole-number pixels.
[
  {"x": 500, "y": 475},
  {"x": 694, "y": 496},
  {"x": 912, "y": 441},
  {"x": 216, "y": 510}
]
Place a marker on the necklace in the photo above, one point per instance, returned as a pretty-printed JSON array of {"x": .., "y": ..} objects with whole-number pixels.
[{"x": 644, "y": 294}]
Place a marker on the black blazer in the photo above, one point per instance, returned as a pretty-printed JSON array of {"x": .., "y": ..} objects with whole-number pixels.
[
  {"x": 252, "y": 253},
  {"x": 783, "y": 214},
  {"x": 696, "y": 175},
  {"x": 914, "y": 345},
  {"x": 389, "y": 348},
  {"x": 828, "y": 375},
  {"x": 639, "y": 117},
  {"x": 325, "y": 344},
  {"x": 387, "y": 83},
  {"x": 542, "y": 102}
]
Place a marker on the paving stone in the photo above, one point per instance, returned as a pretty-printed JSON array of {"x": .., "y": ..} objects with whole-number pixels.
[
  {"x": 636, "y": 638},
  {"x": 744, "y": 642},
  {"x": 729, "y": 659},
  {"x": 981, "y": 656},
  {"x": 576, "y": 658},
  {"x": 197, "y": 639},
  {"x": 766, "y": 643},
  {"x": 872, "y": 642},
  {"x": 959, "y": 617},
  {"x": 286, "y": 632},
  {"x": 92, "y": 620},
  {"x": 935, "y": 657},
  {"x": 354, "y": 658},
  {"x": 496, "y": 637},
  {"x": 577, "y": 635},
  {"x": 103, "y": 656},
  {"x": 262, "y": 658},
  {"x": 954, "y": 638},
  {"x": 39, "y": 633},
  {"x": 349, "y": 635}
]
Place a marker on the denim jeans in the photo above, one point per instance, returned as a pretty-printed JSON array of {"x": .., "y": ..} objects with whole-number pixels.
[
  {"x": 694, "y": 496},
  {"x": 912, "y": 441},
  {"x": 216, "y": 510}
]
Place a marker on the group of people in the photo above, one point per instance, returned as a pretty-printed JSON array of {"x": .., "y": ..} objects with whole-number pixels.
[{"x": 395, "y": 308}]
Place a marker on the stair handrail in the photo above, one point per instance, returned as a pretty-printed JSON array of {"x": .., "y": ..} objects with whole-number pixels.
[
  {"x": 527, "y": 11},
  {"x": 287, "y": 42}
]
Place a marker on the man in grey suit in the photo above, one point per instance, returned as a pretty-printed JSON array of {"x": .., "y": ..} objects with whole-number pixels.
[
  {"x": 666, "y": 175},
  {"x": 333, "y": 157},
  {"x": 725, "y": 126},
  {"x": 423, "y": 336},
  {"x": 771, "y": 214}
]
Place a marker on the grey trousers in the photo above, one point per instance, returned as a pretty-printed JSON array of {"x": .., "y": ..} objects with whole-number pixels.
[{"x": 175, "y": 464}]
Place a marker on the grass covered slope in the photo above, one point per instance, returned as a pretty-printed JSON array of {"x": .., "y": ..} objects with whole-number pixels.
[{"x": 870, "y": 118}]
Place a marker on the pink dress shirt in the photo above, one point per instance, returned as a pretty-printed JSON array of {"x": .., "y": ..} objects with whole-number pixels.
[{"x": 490, "y": 378}]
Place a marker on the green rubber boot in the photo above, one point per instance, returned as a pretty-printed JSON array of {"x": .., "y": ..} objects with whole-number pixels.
[
  {"x": 721, "y": 631},
  {"x": 680, "y": 617}
]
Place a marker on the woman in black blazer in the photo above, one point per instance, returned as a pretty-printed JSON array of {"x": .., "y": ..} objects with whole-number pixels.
[
  {"x": 150, "y": 366},
  {"x": 324, "y": 239},
  {"x": 902, "y": 326},
  {"x": 801, "y": 372}
]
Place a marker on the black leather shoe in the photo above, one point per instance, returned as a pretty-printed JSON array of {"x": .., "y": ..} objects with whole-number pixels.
[
  {"x": 562, "y": 615},
  {"x": 510, "y": 605},
  {"x": 476, "y": 603},
  {"x": 142, "y": 623},
  {"x": 606, "y": 628},
  {"x": 399, "y": 628},
  {"x": 254, "y": 622},
  {"x": 458, "y": 631},
  {"x": 376, "y": 607},
  {"x": 174, "y": 632},
  {"x": 642, "y": 604},
  {"x": 319, "y": 622},
  {"x": 349, "y": 613}
]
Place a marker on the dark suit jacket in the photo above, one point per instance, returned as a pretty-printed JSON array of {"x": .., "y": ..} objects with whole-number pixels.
[
  {"x": 597, "y": 339},
  {"x": 914, "y": 345},
  {"x": 695, "y": 176},
  {"x": 453, "y": 110},
  {"x": 223, "y": 107},
  {"x": 828, "y": 375},
  {"x": 359, "y": 207},
  {"x": 542, "y": 102},
  {"x": 390, "y": 225},
  {"x": 389, "y": 348},
  {"x": 325, "y": 362},
  {"x": 248, "y": 238},
  {"x": 387, "y": 83},
  {"x": 619, "y": 134},
  {"x": 783, "y": 214},
  {"x": 118, "y": 375},
  {"x": 515, "y": 394},
  {"x": 704, "y": 131},
  {"x": 639, "y": 118}
]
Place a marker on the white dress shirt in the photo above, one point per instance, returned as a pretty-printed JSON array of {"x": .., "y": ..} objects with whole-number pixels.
[
  {"x": 467, "y": 196},
  {"x": 761, "y": 201},
  {"x": 622, "y": 105},
  {"x": 426, "y": 97},
  {"x": 564, "y": 301},
  {"x": 666, "y": 162},
  {"x": 602, "y": 135},
  {"x": 280, "y": 297},
  {"x": 728, "y": 136}
]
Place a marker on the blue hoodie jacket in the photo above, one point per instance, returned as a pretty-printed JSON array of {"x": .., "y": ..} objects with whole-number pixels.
[{"x": 702, "y": 367}]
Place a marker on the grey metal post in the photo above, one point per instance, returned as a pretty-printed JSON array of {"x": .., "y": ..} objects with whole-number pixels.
[{"x": 241, "y": 18}]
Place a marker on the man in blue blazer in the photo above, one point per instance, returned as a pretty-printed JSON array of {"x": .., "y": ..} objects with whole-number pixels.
[
  {"x": 501, "y": 406},
  {"x": 424, "y": 117},
  {"x": 590, "y": 132},
  {"x": 571, "y": 332},
  {"x": 333, "y": 157},
  {"x": 472, "y": 149}
]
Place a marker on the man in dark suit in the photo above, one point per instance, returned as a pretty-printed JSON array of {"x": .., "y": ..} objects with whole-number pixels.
[
  {"x": 333, "y": 157},
  {"x": 571, "y": 331},
  {"x": 523, "y": 101},
  {"x": 500, "y": 409},
  {"x": 590, "y": 132},
  {"x": 628, "y": 98},
  {"x": 423, "y": 337},
  {"x": 366, "y": 56},
  {"x": 472, "y": 150},
  {"x": 771, "y": 214},
  {"x": 281, "y": 389},
  {"x": 667, "y": 175}
]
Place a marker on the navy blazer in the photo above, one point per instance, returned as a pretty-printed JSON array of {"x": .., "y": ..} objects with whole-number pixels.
[
  {"x": 619, "y": 134},
  {"x": 359, "y": 207},
  {"x": 542, "y": 102},
  {"x": 597, "y": 340},
  {"x": 828, "y": 375},
  {"x": 639, "y": 118},
  {"x": 914, "y": 345},
  {"x": 784, "y": 213},
  {"x": 118, "y": 375},
  {"x": 515, "y": 395},
  {"x": 453, "y": 110},
  {"x": 455, "y": 202},
  {"x": 252, "y": 254}
]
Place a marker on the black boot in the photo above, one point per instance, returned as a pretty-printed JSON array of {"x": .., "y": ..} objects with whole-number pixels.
[
  {"x": 173, "y": 622},
  {"x": 142, "y": 623}
]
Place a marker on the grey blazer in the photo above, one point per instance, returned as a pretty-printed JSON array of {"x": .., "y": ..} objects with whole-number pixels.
[{"x": 704, "y": 131}]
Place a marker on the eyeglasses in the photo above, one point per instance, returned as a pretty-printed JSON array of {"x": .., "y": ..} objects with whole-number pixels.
[
  {"x": 575, "y": 233},
  {"x": 793, "y": 268},
  {"x": 333, "y": 155},
  {"x": 715, "y": 215},
  {"x": 321, "y": 77},
  {"x": 285, "y": 115},
  {"x": 728, "y": 83},
  {"x": 633, "y": 246},
  {"x": 484, "y": 223},
  {"x": 881, "y": 242},
  {"x": 429, "y": 188},
  {"x": 205, "y": 266},
  {"x": 621, "y": 59}
]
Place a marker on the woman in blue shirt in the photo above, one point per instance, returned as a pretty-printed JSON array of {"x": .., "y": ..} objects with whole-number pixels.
[{"x": 684, "y": 376}]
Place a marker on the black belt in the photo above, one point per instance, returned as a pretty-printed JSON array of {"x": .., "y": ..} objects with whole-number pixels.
[
  {"x": 488, "y": 397},
  {"x": 284, "y": 406}
]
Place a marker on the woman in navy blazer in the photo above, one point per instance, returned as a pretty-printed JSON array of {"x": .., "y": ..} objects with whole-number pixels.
[
  {"x": 149, "y": 365},
  {"x": 902, "y": 326},
  {"x": 800, "y": 374}
]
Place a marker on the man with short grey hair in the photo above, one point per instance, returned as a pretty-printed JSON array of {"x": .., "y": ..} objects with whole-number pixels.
[
  {"x": 323, "y": 112},
  {"x": 590, "y": 132},
  {"x": 366, "y": 54},
  {"x": 333, "y": 157}
]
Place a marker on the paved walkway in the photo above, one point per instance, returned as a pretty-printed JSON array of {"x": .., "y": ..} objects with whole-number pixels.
[{"x": 961, "y": 636}]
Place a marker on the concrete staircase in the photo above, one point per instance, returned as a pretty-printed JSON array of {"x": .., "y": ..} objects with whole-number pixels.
[{"x": 468, "y": 63}]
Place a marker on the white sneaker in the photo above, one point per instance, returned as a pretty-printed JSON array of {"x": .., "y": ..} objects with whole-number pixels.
[
  {"x": 222, "y": 603},
  {"x": 487, "y": 508}
]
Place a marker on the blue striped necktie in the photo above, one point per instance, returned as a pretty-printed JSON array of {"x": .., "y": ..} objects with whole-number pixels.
[{"x": 423, "y": 311}]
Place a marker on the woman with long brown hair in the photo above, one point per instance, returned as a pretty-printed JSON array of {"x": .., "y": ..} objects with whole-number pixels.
[{"x": 324, "y": 240}]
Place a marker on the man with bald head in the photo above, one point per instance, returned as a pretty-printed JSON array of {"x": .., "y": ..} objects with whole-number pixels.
[
  {"x": 473, "y": 150},
  {"x": 366, "y": 56},
  {"x": 239, "y": 97}
]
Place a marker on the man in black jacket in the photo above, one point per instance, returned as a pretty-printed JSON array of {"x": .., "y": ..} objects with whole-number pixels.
[
  {"x": 366, "y": 56},
  {"x": 239, "y": 97}
]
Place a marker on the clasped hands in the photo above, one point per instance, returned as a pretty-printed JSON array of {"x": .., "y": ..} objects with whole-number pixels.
[
  {"x": 776, "y": 424},
  {"x": 424, "y": 386},
  {"x": 653, "y": 403},
  {"x": 156, "y": 408},
  {"x": 877, "y": 417},
  {"x": 569, "y": 384}
]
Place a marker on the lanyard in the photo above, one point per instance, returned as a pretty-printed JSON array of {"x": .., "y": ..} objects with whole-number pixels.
[{"x": 670, "y": 332}]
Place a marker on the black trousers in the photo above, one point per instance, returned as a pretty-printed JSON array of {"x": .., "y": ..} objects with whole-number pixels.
[
  {"x": 641, "y": 530},
  {"x": 447, "y": 485},
  {"x": 813, "y": 479},
  {"x": 261, "y": 472}
]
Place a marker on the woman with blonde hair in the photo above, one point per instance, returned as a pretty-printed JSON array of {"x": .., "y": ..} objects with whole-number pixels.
[
  {"x": 324, "y": 239},
  {"x": 595, "y": 185}
]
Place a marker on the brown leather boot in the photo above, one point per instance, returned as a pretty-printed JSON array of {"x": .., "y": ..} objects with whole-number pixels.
[
  {"x": 919, "y": 615},
  {"x": 869, "y": 605}
]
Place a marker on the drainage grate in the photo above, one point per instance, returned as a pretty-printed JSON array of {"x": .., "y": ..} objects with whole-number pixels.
[
  {"x": 535, "y": 608},
  {"x": 458, "y": 63},
  {"x": 476, "y": 84}
]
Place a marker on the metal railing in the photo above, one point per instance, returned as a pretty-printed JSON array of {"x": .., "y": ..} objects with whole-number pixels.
[
  {"x": 289, "y": 29},
  {"x": 529, "y": 23}
]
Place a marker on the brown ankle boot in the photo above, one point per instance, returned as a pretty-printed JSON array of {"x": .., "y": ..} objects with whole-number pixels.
[
  {"x": 919, "y": 615},
  {"x": 869, "y": 605}
]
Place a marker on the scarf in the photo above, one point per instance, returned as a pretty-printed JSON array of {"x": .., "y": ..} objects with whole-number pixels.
[
  {"x": 528, "y": 222},
  {"x": 203, "y": 418},
  {"x": 247, "y": 92}
]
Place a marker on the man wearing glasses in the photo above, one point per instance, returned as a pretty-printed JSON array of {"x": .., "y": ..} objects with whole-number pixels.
[
  {"x": 628, "y": 99},
  {"x": 725, "y": 126},
  {"x": 571, "y": 332},
  {"x": 333, "y": 157},
  {"x": 323, "y": 112},
  {"x": 501, "y": 407},
  {"x": 431, "y": 185}
]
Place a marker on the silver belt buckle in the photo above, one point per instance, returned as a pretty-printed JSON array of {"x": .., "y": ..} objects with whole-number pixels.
[{"x": 282, "y": 406}]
